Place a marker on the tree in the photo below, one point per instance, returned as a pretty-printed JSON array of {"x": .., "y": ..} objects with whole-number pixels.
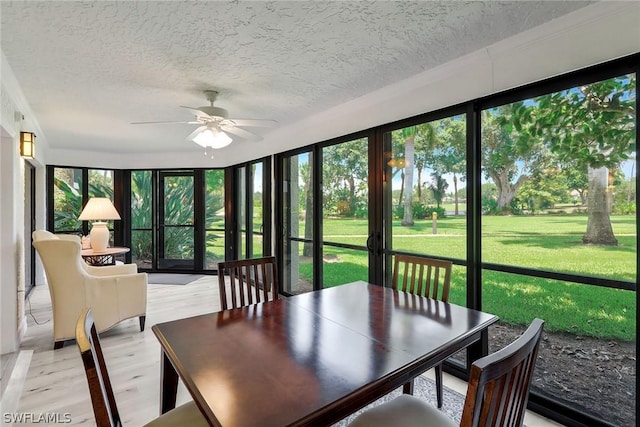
[
  {"x": 396, "y": 164},
  {"x": 509, "y": 150},
  {"x": 100, "y": 183},
  {"x": 409, "y": 136},
  {"x": 544, "y": 188},
  {"x": 426, "y": 140},
  {"x": 141, "y": 217},
  {"x": 67, "y": 201},
  {"x": 577, "y": 180},
  {"x": 306, "y": 172},
  {"x": 214, "y": 195},
  {"x": 438, "y": 187},
  {"x": 415, "y": 144},
  {"x": 450, "y": 156},
  {"x": 592, "y": 126},
  {"x": 345, "y": 171}
]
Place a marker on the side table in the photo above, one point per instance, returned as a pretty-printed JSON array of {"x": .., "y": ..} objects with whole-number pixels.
[{"x": 106, "y": 257}]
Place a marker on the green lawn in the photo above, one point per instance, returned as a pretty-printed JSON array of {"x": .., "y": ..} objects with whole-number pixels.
[{"x": 546, "y": 242}]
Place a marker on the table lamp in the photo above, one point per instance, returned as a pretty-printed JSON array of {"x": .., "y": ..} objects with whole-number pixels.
[{"x": 99, "y": 209}]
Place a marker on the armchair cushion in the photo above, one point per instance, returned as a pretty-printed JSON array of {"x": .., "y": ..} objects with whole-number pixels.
[{"x": 111, "y": 270}]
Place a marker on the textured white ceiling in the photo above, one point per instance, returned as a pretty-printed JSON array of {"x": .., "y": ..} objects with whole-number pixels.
[{"x": 89, "y": 69}]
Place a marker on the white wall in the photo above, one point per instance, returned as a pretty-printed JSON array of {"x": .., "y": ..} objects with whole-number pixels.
[
  {"x": 8, "y": 279},
  {"x": 9, "y": 257},
  {"x": 13, "y": 108}
]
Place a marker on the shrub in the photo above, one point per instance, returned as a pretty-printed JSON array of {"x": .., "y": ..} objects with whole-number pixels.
[
  {"x": 490, "y": 207},
  {"x": 430, "y": 210},
  {"x": 420, "y": 211},
  {"x": 625, "y": 208}
]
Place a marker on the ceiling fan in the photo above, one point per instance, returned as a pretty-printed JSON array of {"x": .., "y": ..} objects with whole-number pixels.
[{"x": 216, "y": 125}]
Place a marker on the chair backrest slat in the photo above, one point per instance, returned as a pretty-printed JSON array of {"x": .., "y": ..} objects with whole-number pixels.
[
  {"x": 420, "y": 280},
  {"x": 242, "y": 279},
  {"x": 102, "y": 397},
  {"x": 251, "y": 281},
  {"x": 232, "y": 278},
  {"x": 265, "y": 279},
  {"x": 436, "y": 280},
  {"x": 422, "y": 276},
  {"x": 499, "y": 383}
]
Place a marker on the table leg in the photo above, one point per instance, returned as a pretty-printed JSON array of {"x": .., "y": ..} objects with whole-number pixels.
[
  {"x": 407, "y": 388},
  {"x": 169, "y": 384}
]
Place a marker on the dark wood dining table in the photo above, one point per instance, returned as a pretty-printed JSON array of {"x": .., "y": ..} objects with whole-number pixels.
[{"x": 310, "y": 359}]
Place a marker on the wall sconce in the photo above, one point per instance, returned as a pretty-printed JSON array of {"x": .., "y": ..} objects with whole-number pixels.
[{"x": 27, "y": 144}]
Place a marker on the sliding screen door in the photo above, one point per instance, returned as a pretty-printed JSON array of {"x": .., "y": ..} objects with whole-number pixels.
[
  {"x": 327, "y": 235},
  {"x": 345, "y": 213},
  {"x": 297, "y": 229},
  {"x": 176, "y": 229}
]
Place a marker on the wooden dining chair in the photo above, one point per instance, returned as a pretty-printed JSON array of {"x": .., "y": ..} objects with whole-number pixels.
[
  {"x": 102, "y": 396},
  {"x": 251, "y": 281},
  {"x": 497, "y": 394},
  {"x": 425, "y": 277},
  {"x": 422, "y": 276}
]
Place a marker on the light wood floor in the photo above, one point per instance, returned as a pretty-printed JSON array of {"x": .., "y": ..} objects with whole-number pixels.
[{"x": 54, "y": 381}]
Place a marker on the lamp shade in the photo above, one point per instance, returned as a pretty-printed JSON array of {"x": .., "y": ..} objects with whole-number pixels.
[{"x": 99, "y": 209}]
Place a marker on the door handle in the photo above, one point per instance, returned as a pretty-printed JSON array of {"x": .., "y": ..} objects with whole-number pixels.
[{"x": 370, "y": 242}]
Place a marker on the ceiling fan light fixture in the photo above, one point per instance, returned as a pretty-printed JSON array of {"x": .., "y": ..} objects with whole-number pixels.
[
  {"x": 212, "y": 137},
  {"x": 213, "y": 120}
]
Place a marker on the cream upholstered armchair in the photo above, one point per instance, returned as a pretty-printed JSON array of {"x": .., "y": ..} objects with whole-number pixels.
[{"x": 114, "y": 293}]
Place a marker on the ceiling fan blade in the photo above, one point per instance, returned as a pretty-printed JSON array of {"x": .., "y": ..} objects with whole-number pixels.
[
  {"x": 254, "y": 123},
  {"x": 195, "y": 132},
  {"x": 165, "y": 122},
  {"x": 200, "y": 113},
  {"x": 241, "y": 132}
]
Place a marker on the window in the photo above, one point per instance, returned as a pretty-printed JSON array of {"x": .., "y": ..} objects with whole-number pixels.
[
  {"x": 141, "y": 219},
  {"x": 72, "y": 189},
  {"x": 251, "y": 208},
  {"x": 67, "y": 200},
  {"x": 426, "y": 167},
  {"x": 559, "y": 235},
  {"x": 345, "y": 212},
  {"x": 297, "y": 209},
  {"x": 214, "y": 218},
  {"x": 534, "y": 192},
  {"x": 257, "y": 210}
]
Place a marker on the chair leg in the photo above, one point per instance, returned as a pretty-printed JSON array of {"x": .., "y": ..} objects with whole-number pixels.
[
  {"x": 58, "y": 344},
  {"x": 407, "y": 388},
  {"x": 142, "y": 319},
  {"x": 439, "y": 385}
]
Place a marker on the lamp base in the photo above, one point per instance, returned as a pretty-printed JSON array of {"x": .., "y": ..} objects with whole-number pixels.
[{"x": 99, "y": 236}]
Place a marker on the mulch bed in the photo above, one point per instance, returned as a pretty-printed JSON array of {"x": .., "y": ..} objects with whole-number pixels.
[{"x": 595, "y": 376}]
